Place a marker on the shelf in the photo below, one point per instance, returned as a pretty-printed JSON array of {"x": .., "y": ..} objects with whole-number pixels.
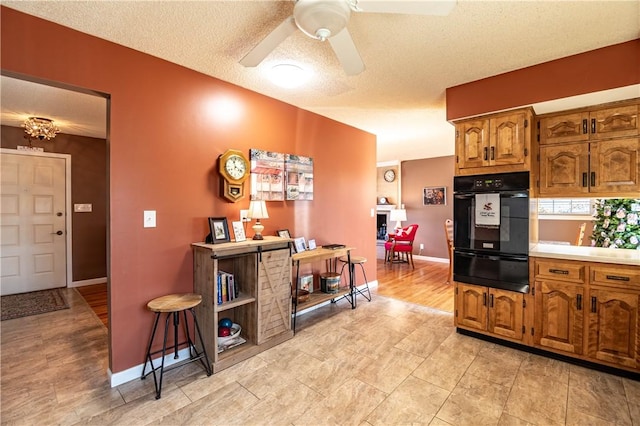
[
  {"x": 243, "y": 299},
  {"x": 319, "y": 297}
]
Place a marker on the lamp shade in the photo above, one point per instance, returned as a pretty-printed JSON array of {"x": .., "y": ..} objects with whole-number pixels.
[
  {"x": 398, "y": 215},
  {"x": 258, "y": 210}
]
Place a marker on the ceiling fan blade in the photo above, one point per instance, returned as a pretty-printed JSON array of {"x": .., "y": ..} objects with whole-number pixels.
[
  {"x": 347, "y": 53},
  {"x": 270, "y": 42},
  {"x": 422, "y": 7}
]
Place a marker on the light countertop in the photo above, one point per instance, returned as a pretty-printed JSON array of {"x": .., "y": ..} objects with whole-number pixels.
[{"x": 587, "y": 254}]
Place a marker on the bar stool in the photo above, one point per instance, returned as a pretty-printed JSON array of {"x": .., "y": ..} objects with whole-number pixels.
[
  {"x": 172, "y": 305},
  {"x": 356, "y": 260}
]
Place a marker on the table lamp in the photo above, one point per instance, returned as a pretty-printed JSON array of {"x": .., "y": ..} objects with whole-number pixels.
[
  {"x": 257, "y": 211},
  {"x": 398, "y": 215}
]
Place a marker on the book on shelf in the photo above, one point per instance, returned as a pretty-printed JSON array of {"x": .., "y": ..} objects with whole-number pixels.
[{"x": 227, "y": 287}]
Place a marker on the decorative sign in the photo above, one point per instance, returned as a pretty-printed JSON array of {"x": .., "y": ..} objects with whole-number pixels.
[
  {"x": 267, "y": 175},
  {"x": 299, "y": 172}
]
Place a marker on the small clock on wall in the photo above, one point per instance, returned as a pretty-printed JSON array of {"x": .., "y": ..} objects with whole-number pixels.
[
  {"x": 390, "y": 175},
  {"x": 234, "y": 168}
]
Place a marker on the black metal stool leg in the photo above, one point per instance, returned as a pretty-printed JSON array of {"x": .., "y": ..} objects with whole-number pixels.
[
  {"x": 206, "y": 363},
  {"x": 366, "y": 283},
  {"x": 164, "y": 351}
]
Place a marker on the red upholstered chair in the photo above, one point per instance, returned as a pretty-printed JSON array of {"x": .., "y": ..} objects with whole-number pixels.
[{"x": 402, "y": 243}]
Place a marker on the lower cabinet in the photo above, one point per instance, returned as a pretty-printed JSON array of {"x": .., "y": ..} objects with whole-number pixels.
[
  {"x": 614, "y": 334},
  {"x": 559, "y": 316},
  {"x": 496, "y": 311}
]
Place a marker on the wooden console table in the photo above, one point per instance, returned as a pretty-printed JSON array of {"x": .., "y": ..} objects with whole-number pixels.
[{"x": 315, "y": 298}]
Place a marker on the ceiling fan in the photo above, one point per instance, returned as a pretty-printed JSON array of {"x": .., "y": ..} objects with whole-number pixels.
[{"x": 327, "y": 20}]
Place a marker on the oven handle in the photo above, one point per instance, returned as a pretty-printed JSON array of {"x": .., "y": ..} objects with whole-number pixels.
[
  {"x": 494, "y": 257},
  {"x": 503, "y": 194}
]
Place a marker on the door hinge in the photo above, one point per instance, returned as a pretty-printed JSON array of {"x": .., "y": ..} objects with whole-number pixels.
[
  {"x": 524, "y": 303},
  {"x": 538, "y": 137},
  {"x": 524, "y": 329},
  {"x": 526, "y": 152},
  {"x": 456, "y": 290},
  {"x": 526, "y": 123},
  {"x": 456, "y": 313},
  {"x": 457, "y": 134},
  {"x": 456, "y": 158},
  {"x": 538, "y": 157},
  {"x": 533, "y": 291},
  {"x": 532, "y": 332}
]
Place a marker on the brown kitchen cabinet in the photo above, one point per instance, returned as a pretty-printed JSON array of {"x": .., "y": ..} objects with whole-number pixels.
[
  {"x": 609, "y": 167},
  {"x": 496, "y": 311},
  {"x": 262, "y": 272},
  {"x": 594, "y": 151},
  {"x": 588, "y": 310},
  {"x": 494, "y": 143}
]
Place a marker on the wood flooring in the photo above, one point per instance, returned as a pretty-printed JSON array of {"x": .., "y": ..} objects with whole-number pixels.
[{"x": 96, "y": 297}]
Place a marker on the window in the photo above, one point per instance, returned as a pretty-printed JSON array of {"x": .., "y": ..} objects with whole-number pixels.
[{"x": 565, "y": 206}]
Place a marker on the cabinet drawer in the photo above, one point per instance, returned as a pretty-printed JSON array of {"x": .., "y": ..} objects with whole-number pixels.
[
  {"x": 560, "y": 270},
  {"x": 616, "y": 276}
]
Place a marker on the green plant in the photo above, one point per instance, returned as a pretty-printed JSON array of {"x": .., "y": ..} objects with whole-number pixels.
[{"x": 617, "y": 224}]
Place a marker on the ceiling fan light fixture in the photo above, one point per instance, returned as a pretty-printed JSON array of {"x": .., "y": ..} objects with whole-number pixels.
[
  {"x": 289, "y": 76},
  {"x": 40, "y": 127},
  {"x": 321, "y": 19}
]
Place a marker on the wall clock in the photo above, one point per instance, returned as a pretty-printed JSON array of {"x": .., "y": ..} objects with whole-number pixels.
[
  {"x": 234, "y": 169},
  {"x": 390, "y": 175}
]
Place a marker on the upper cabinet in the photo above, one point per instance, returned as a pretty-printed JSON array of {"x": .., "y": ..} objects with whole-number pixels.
[
  {"x": 595, "y": 151},
  {"x": 494, "y": 143}
]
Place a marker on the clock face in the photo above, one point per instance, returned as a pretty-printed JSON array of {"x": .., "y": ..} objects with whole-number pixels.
[
  {"x": 236, "y": 166},
  {"x": 390, "y": 175}
]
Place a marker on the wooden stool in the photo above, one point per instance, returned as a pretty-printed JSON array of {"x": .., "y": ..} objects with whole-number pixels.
[
  {"x": 356, "y": 260},
  {"x": 172, "y": 305}
]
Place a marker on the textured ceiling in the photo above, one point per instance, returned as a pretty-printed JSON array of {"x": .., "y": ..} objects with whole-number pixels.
[{"x": 410, "y": 60}]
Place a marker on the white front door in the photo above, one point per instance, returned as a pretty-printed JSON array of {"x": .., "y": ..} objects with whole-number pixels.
[{"x": 32, "y": 223}]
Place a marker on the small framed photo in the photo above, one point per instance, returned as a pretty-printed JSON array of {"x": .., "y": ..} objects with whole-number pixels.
[
  {"x": 435, "y": 196},
  {"x": 299, "y": 244},
  {"x": 219, "y": 230},
  {"x": 238, "y": 231},
  {"x": 283, "y": 233},
  {"x": 306, "y": 283},
  {"x": 312, "y": 244}
]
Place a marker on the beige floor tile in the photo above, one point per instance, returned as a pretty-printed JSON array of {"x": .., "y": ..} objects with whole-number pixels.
[
  {"x": 550, "y": 396},
  {"x": 350, "y": 404},
  {"x": 474, "y": 401},
  {"x": 424, "y": 340},
  {"x": 501, "y": 371},
  {"x": 413, "y": 402},
  {"x": 439, "y": 422},
  {"x": 599, "y": 395},
  {"x": 391, "y": 369},
  {"x": 444, "y": 367},
  {"x": 509, "y": 420},
  {"x": 632, "y": 391},
  {"x": 576, "y": 418}
]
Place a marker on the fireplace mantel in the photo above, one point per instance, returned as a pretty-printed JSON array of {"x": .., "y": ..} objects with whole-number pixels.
[{"x": 385, "y": 207}]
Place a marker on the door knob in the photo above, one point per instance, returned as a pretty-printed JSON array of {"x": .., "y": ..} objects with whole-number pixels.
[
  {"x": 59, "y": 214},
  {"x": 58, "y": 233}
]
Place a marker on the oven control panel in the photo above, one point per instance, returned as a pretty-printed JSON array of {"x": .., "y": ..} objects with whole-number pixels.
[{"x": 495, "y": 183}]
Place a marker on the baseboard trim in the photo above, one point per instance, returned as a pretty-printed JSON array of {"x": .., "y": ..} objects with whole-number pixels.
[
  {"x": 133, "y": 373},
  {"x": 432, "y": 259},
  {"x": 91, "y": 281}
]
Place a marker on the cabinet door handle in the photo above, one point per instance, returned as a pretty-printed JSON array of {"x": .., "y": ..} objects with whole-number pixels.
[
  {"x": 585, "y": 127},
  {"x": 559, "y": 271},
  {"x": 594, "y": 303},
  {"x": 493, "y": 152},
  {"x": 579, "y": 302},
  {"x": 485, "y": 153},
  {"x": 593, "y": 125},
  {"x": 593, "y": 178},
  {"x": 584, "y": 179},
  {"x": 617, "y": 278},
  {"x": 484, "y": 299},
  {"x": 491, "y": 301}
]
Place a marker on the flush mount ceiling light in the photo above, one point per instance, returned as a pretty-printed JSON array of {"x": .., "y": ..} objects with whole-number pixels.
[
  {"x": 288, "y": 76},
  {"x": 41, "y": 128}
]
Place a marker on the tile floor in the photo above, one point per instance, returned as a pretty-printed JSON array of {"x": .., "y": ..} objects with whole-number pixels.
[{"x": 387, "y": 362}]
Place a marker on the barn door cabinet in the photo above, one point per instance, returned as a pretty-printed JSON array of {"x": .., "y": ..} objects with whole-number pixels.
[
  {"x": 594, "y": 151},
  {"x": 494, "y": 143},
  {"x": 588, "y": 310},
  {"x": 491, "y": 310},
  {"x": 262, "y": 274}
]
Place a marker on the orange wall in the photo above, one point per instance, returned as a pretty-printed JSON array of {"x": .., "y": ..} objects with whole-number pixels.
[
  {"x": 164, "y": 140},
  {"x": 601, "y": 69}
]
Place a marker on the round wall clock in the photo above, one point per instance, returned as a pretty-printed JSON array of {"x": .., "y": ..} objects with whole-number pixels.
[
  {"x": 390, "y": 175},
  {"x": 234, "y": 168}
]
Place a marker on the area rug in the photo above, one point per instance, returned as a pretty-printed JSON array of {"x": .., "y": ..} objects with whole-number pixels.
[{"x": 32, "y": 303}]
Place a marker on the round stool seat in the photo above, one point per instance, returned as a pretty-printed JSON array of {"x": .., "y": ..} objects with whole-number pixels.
[
  {"x": 354, "y": 259},
  {"x": 174, "y": 302}
]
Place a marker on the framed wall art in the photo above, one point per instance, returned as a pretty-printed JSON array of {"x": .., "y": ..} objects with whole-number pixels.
[
  {"x": 267, "y": 175},
  {"x": 435, "y": 196},
  {"x": 299, "y": 174},
  {"x": 219, "y": 230},
  {"x": 283, "y": 233},
  {"x": 299, "y": 244},
  {"x": 238, "y": 231}
]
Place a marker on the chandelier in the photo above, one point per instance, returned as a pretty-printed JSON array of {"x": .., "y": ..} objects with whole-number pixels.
[{"x": 41, "y": 128}]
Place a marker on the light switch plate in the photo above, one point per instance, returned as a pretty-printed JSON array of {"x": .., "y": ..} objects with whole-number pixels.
[
  {"x": 82, "y": 208},
  {"x": 243, "y": 215},
  {"x": 149, "y": 218}
]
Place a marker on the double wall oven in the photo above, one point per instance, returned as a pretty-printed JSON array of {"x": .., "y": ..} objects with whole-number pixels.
[{"x": 491, "y": 230}]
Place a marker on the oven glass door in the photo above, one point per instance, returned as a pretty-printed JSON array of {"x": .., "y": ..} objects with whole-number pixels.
[
  {"x": 503, "y": 271},
  {"x": 510, "y": 236}
]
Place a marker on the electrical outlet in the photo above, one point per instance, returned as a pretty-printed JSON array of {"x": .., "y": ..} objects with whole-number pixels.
[
  {"x": 243, "y": 215},
  {"x": 421, "y": 246}
]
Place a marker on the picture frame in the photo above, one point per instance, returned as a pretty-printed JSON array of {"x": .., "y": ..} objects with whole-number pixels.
[
  {"x": 312, "y": 244},
  {"x": 299, "y": 244},
  {"x": 434, "y": 196},
  {"x": 219, "y": 230},
  {"x": 238, "y": 231},
  {"x": 283, "y": 233}
]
